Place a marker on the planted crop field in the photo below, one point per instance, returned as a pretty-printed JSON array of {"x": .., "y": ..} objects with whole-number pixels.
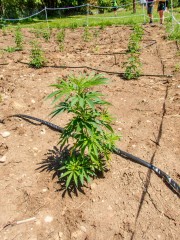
[{"x": 129, "y": 201}]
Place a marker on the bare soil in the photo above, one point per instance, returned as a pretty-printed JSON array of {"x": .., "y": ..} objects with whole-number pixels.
[{"x": 129, "y": 202}]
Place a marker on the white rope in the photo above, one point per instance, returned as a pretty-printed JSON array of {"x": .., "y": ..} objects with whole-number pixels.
[
  {"x": 88, "y": 16},
  {"x": 19, "y": 19},
  {"x": 66, "y": 8},
  {"x": 175, "y": 19},
  {"x": 118, "y": 17}
]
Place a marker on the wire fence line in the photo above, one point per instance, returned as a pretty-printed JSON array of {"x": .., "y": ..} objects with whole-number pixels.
[{"x": 90, "y": 15}]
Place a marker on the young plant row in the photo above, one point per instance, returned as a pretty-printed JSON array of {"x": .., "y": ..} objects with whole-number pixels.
[
  {"x": 37, "y": 59},
  {"x": 133, "y": 64}
]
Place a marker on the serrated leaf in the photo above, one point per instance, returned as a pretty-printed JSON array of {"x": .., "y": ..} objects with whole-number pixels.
[
  {"x": 81, "y": 102},
  {"x": 75, "y": 179},
  {"x": 69, "y": 180},
  {"x": 65, "y": 174},
  {"x": 81, "y": 177}
]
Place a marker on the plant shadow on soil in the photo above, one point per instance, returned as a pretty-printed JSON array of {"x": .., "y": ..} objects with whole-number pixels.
[{"x": 53, "y": 162}]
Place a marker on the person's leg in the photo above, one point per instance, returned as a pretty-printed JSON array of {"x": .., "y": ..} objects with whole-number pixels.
[
  {"x": 161, "y": 9},
  {"x": 161, "y": 16},
  {"x": 150, "y": 18},
  {"x": 149, "y": 12}
]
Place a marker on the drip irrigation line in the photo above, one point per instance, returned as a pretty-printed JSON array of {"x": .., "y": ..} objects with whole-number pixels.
[
  {"x": 4, "y": 63},
  {"x": 162, "y": 65},
  {"x": 104, "y": 71},
  {"x": 171, "y": 183},
  {"x": 177, "y": 45},
  {"x": 116, "y": 16},
  {"x": 126, "y": 51},
  {"x": 114, "y": 53},
  {"x": 118, "y": 73},
  {"x": 150, "y": 44}
]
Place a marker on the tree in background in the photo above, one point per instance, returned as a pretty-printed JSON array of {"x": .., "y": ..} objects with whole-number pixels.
[
  {"x": 134, "y": 6},
  {"x": 19, "y": 8}
]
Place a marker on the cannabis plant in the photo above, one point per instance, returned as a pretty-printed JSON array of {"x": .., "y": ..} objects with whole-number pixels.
[
  {"x": 87, "y": 34},
  {"x": 133, "y": 46},
  {"x": 18, "y": 39},
  {"x": 46, "y": 35},
  {"x": 4, "y": 32},
  {"x": 133, "y": 65},
  {"x": 90, "y": 127},
  {"x": 10, "y": 49},
  {"x": 37, "y": 55},
  {"x": 60, "y": 39}
]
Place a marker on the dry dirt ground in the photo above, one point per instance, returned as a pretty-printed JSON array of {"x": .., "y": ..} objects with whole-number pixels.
[{"x": 130, "y": 202}]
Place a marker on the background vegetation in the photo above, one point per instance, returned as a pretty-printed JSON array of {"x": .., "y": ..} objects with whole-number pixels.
[{"x": 19, "y": 8}]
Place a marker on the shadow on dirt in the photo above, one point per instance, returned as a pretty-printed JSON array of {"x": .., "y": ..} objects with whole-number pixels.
[{"x": 53, "y": 162}]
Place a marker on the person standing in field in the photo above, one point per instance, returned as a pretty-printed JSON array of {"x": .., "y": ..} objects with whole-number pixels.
[
  {"x": 161, "y": 8},
  {"x": 114, "y": 3},
  {"x": 150, "y": 5}
]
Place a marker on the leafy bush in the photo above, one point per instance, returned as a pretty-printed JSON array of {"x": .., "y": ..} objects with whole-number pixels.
[
  {"x": 174, "y": 33},
  {"x": 46, "y": 35},
  {"x": 132, "y": 67},
  {"x": 18, "y": 39},
  {"x": 60, "y": 39},
  {"x": 87, "y": 34},
  {"x": 90, "y": 127},
  {"x": 37, "y": 56},
  {"x": 133, "y": 63}
]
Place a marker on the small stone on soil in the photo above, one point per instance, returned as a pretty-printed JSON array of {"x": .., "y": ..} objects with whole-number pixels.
[
  {"x": 2, "y": 159},
  {"x": 43, "y": 131},
  {"x": 5, "y": 134},
  {"x": 48, "y": 219}
]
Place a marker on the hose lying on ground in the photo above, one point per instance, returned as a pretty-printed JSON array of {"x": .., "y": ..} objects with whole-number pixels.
[{"x": 172, "y": 184}]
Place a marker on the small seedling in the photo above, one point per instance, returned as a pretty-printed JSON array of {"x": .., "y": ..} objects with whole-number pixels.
[
  {"x": 37, "y": 33},
  {"x": 4, "y": 32},
  {"x": 46, "y": 35},
  {"x": 10, "y": 49},
  {"x": 177, "y": 67},
  {"x": 133, "y": 63},
  {"x": 18, "y": 39},
  {"x": 86, "y": 35},
  {"x": 132, "y": 70},
  {"x": 96, "y": 33},
  {"x": 90, "y": 128},
  {"x": 95, "y": 49},
  {"x": 37, "y": 55},
  {"x": 133, "y": 46},
  {"x": 73, "y": 25},
  {"x": 60, "y": 39}
]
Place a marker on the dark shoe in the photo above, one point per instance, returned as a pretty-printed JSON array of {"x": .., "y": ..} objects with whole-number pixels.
[{"x": 150, "y": 21}]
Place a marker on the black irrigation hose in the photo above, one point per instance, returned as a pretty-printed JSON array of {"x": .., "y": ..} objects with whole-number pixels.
[
  {"x": 173, "y": 185},
  {"x": 108, "y": 72},
  {"x": 103, "y": 71},
  {"x": 126, "y": 51}
]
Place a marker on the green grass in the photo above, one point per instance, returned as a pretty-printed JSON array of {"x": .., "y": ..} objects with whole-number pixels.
[{"x": 124, "y": 17}]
